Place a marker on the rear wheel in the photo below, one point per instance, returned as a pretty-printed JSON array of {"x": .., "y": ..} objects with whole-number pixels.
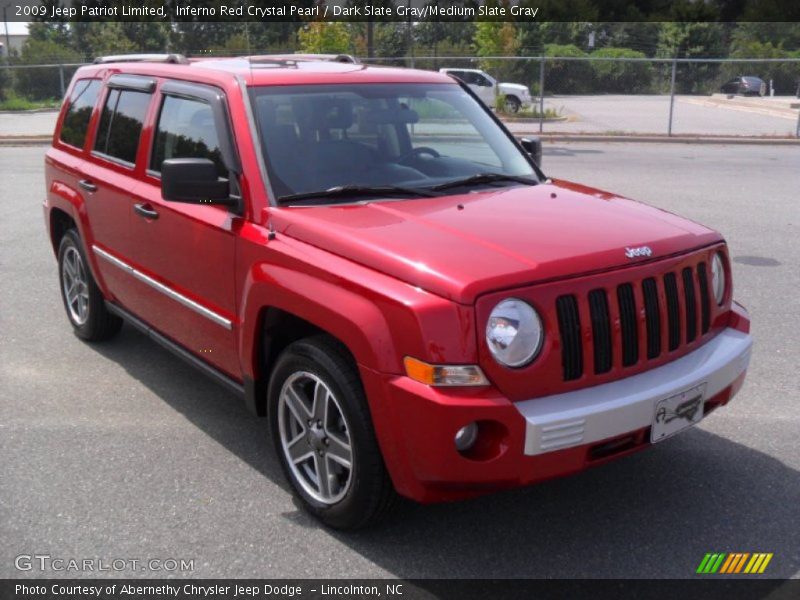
[
  {"x": 83, "y": 300},
  {"x": 512, "y": 104},
  {"x": 323, "y": 434}
]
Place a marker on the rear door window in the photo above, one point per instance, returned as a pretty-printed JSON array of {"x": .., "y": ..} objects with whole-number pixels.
[
  {"x": 81, "y": 105},
  {"x": 121, "y": 124},
  {"x": 186, "y": 129}
]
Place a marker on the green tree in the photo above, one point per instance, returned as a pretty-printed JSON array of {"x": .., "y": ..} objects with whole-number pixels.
[
  {"x": 236, "y": 45},
  {"x": 52, "y": 31},
  {"x": 5, "y": 82},
  {"x": 782, "y": 35},
  {"x": 785, "y": 76},
  {"x": 99, "y": 38},
  {"x": 621, "y": 77},
  {"x": 567, "y": 76},
  {"x": 324, "y": 37},
  {"x": 393, "y": 40},
  {"x": 694, "y": 40},
  {"x": 497, "y": 38},
  {"x": 274, "y": 37},
  {"x": 42, "y": 83}
]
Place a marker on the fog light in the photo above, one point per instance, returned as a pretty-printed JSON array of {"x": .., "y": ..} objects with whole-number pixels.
[{"x": 466, "y": 436}]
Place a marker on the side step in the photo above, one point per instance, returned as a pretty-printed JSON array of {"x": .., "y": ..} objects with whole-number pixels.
[{"x": 178, "y": 350}]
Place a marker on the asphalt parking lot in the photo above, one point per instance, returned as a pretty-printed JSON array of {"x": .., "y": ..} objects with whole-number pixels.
[
  {"x": 692, "y": 115},
  {"x": 120, "y": 450}
]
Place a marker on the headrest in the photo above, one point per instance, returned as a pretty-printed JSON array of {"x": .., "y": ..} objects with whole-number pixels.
[{"x": 334, "y": 114}]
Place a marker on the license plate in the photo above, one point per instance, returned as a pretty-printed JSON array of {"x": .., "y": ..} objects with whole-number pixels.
[{"x": 677, "y": 412}]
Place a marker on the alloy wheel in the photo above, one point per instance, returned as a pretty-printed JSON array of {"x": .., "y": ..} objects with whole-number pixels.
[
  {"x": 315, "y": 437},
  {"x": 75, "y": 285}
]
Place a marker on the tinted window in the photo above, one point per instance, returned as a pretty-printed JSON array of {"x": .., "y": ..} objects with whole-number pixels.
[
  {"x": 121, "y": 124},
  {"x": 81, "y": 104},
  {"x": 469, "y": 77},
  {"x": 186, "y": 129}
]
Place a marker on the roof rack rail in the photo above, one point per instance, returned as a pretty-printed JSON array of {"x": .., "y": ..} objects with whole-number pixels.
[
  {"x": 294, "y": 58},
  {"x": 178, "y": 59}
]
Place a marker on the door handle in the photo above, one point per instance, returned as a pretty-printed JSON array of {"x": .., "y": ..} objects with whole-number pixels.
[
  {"x": 87, "y": 185},
  {"x": 146, "y": 211}
]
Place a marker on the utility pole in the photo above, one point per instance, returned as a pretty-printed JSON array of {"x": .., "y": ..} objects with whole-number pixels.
[
  {"x": 409, "y": 39},
  {"x": 672, "y": 95},
  {"x": 8, "y": 37}
]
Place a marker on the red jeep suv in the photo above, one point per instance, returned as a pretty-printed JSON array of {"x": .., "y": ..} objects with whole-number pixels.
[{"x": 372, "y": 261}]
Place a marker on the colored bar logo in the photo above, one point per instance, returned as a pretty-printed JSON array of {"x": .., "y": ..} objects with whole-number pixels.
[{"x": 734, "y": 562}]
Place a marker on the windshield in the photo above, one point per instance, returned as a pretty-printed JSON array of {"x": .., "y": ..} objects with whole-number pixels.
[{"x": 411, "y": 136}]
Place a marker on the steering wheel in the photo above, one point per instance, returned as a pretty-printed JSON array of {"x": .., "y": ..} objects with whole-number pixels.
[{"x": 416, "y": 152}]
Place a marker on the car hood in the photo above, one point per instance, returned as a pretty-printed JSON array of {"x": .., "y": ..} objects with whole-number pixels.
[{"x": 497, "y": 238}]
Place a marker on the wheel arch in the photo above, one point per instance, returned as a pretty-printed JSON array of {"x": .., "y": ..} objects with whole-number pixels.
[
  {"x": 60, "y": 223},
  {"x": 281, "y": 316}
]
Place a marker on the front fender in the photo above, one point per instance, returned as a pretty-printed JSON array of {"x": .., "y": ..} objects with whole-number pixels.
[
  {"x": 343, "y": 313},
  {"x": 379, "y": 318}
]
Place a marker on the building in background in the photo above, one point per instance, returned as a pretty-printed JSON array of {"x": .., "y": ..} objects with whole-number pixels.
[{"x": 13, "y": 36}]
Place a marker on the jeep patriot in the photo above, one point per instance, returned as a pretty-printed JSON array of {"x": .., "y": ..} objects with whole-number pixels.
[{"x": 377, "y": 267}]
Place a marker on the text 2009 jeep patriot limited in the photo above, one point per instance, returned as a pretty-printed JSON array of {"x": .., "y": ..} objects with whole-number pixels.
[{"x": 377, "y": 266}]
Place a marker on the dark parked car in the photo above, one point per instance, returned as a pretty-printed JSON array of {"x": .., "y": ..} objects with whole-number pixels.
[{"x": 745, "y": 86}]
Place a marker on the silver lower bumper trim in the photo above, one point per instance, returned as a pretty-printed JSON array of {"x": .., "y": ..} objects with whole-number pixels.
[{"x": 605, "y": 411}]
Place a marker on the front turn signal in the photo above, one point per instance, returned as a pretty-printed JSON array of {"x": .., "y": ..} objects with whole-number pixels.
[{"x": 444, "y": 375}]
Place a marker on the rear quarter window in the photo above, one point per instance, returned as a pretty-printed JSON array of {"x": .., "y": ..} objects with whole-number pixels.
[
  {"x": 81, "y": 104},
  {"x": 121, "y": 124}
]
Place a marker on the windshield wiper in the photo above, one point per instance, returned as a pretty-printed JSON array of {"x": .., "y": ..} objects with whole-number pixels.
[
  {"x": 358, "y": 190},
  {"x": 484, "y": 178}
]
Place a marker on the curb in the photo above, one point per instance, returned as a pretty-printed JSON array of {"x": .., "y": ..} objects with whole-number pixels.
[
  {"x": 533, "y": 120},
  {"x": 661, "y": 139},
  {"x": 31, "y": 111},
  {"x": 33, "y": 140}
]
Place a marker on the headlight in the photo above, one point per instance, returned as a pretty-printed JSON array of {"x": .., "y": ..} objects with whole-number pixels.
[
  {"x": 718, "y": 278},
  {"x": 514, "y": 333}
]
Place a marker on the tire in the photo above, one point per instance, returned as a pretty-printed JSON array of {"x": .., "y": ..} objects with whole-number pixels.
[
  {"x": 83, "y": 301},
  {"x": 512, "y": 104},
  {"x": 347, "y": 499}
]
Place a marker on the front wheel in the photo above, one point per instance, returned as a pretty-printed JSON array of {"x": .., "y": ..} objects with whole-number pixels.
[
  {"x": 83, "y": 300},
  {"x": 323, "y": 435}
]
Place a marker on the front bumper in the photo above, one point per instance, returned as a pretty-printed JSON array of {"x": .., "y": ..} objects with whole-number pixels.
[
  {"x": 612, "y": 409},
  {"x": 534, "y": 440}
]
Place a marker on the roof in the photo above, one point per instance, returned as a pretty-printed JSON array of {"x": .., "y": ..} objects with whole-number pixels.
[{"x": 266, "y": 70}]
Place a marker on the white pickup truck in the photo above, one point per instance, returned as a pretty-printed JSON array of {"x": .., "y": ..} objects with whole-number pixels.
[{"x": 487, "y": 88}]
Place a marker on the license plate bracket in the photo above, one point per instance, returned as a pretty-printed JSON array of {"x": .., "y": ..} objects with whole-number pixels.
[{"x": 677, "y": 412}]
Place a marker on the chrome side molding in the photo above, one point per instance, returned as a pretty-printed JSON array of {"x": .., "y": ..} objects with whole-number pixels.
[{"x": 166, "y": 290}]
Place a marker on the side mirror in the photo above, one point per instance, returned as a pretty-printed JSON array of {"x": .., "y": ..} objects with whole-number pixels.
[
  {"x": 194, "y": 181},
  {"x": 533, "y": 146}
]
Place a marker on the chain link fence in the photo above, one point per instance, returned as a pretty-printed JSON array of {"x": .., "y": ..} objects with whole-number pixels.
[{"x": 578, "y": 95}]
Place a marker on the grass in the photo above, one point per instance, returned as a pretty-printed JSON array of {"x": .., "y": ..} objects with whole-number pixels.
[
  {"x": 14, "y": 102},
  {"x": 533, "y": 113}
]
